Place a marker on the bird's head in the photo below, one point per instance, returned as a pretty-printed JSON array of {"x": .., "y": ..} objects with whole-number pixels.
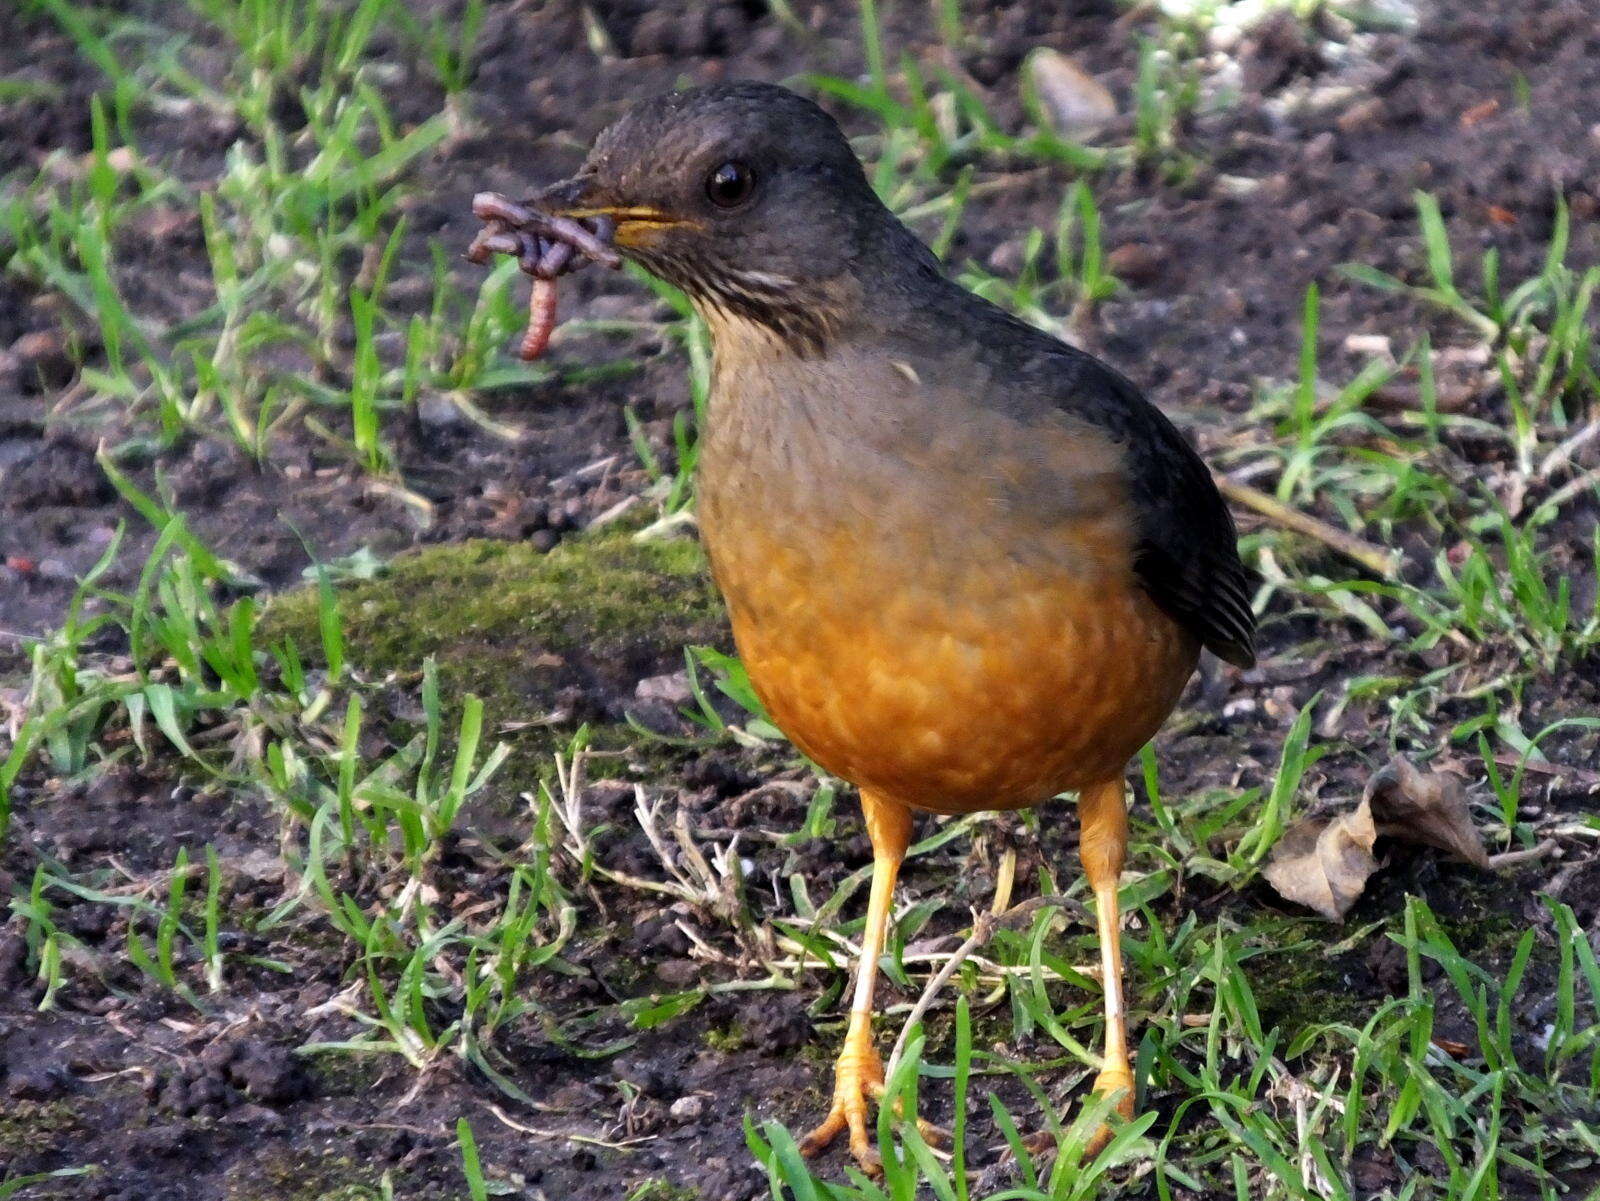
[{"x": 746, "y": 196}]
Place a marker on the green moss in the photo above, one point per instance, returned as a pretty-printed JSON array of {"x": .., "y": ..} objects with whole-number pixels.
[
  {"x": 34, "y": 1127},
  {"x": 726, "y": 1039},
  {"x": 1299, "y": 986},
  {"x": 537, "y": 636},
  {"x": 345, "y": 1074},
  {"x": 1478, "y": 921},
  {"x": 489, "y": 611},
  {"x": 658, "y": 1189},
  {"x": 1292, "y": 994},
  {"x": 283, "y": 1175},
  {"x": 1302, "y": 987}
]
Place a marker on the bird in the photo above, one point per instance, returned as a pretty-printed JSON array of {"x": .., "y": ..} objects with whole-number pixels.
[{"x": 968, "y": 566}]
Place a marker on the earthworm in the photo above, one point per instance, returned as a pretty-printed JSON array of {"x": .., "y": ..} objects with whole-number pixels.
[
  {"x": 541, "y": 319},
  {"x": 545, "y": 247}
]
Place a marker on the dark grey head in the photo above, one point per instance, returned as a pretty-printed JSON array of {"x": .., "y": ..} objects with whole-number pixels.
[{"x": 745, "y": 195}]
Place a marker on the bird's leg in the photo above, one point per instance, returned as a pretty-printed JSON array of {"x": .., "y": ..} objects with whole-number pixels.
[
  {"x": 1103, "y": 816},
  {"x": 858, "y": 1073}
]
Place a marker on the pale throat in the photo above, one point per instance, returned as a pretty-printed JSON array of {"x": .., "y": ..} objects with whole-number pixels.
[{"x": 758, "y": 316}]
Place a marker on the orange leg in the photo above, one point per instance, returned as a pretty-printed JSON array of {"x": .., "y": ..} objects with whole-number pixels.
[
  {"x": 1103, "y": 815},
  {"x": 858, "y": 1074}
]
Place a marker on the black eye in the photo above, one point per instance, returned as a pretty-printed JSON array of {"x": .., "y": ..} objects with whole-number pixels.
[{"x": 730, "y": 185}]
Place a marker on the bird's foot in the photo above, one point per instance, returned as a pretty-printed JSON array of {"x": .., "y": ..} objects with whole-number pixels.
[
  {"x": 858, "y": 1080},
  {"x": 857, "y": 1077},
  {"x": 1114, "y": 1080},
  {"x": 1118, "y": 1081}
]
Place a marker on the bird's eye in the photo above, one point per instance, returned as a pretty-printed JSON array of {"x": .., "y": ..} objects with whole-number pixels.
[{"x": 730, "y": 185}]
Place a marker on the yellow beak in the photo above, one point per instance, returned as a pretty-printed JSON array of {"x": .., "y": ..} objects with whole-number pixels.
[{"x": 637, "y": 224}]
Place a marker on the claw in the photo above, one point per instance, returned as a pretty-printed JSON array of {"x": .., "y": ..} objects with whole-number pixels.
[
  {"x": 1042, "y": 1143},
  {"x": 858, "y": 1076},
  {"x": 858, "y": 1079},
  {"x": 935, "y": 1136}
]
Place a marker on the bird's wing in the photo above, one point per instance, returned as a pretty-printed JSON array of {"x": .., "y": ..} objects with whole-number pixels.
[{"x": 1187, "y": 554}]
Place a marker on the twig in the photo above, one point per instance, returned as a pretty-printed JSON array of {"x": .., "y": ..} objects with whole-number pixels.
[
  {"x": 983, "y": 929},
  {"x": 622, "y": 1145},
  {"x": 1380, "y": 562},
  {"x": 1004, "y": 882},
  {"x": 1560, "y": 771},
  {"x": 1562, "y": 454},
  {"x": 1526, "y": 855},
  {"x": 1551, "y": 505},
  {"x": 668, "y": 526}
]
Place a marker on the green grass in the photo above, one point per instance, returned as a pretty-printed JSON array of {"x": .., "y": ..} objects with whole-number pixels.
[
  {"x": 302, "y": 228},
  {"x": 1499, "y": 586},
  {"x": 1285, "y": 1110},
  {"x": 933, "y": 121},
  {"x": 1076, "y": 277},
  {"x": 292, "y": 727},
  {"x": 12, "y": 1186},
  {"x": 1538, "y": 331}
]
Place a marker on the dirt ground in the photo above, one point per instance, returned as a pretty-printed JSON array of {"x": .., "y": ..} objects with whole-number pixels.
[{"x": 1313, "y": 166}]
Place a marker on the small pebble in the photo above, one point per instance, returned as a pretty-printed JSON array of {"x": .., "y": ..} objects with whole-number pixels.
[
  {"x": 1136, "y": 263},
  {"x": 672, "y": 688},
  {"x": 1006, "y": 258},
  {"x": 1365, "y": 114},
  {"x": 680, "y": 973},
  {"x": 688, "y": 1109},
  {"x": 438, "y": 413},
  {"x": 34, "y": 1084},
  {"x": 1078, "y": 104},
  {"x": 43, "y": 356}
]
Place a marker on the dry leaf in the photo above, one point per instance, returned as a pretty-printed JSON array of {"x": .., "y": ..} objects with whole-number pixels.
[
  {"x": 1323, "y": 861},
  {"x": 1425, "y": 807}
]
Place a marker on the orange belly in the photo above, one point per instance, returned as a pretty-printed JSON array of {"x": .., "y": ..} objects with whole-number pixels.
[{"x": 989, "y": 685}]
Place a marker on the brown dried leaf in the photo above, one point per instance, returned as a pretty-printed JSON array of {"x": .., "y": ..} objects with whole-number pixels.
[
  {"x": 1424, "y": 807},
  {"x": 1323, "y": 862}
]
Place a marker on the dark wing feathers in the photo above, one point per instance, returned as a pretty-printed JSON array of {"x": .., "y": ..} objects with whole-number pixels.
[{"x": 1187, "y": 556}]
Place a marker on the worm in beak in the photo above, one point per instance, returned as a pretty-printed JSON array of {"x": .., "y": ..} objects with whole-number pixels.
[{"x": 546, "y": 246}]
